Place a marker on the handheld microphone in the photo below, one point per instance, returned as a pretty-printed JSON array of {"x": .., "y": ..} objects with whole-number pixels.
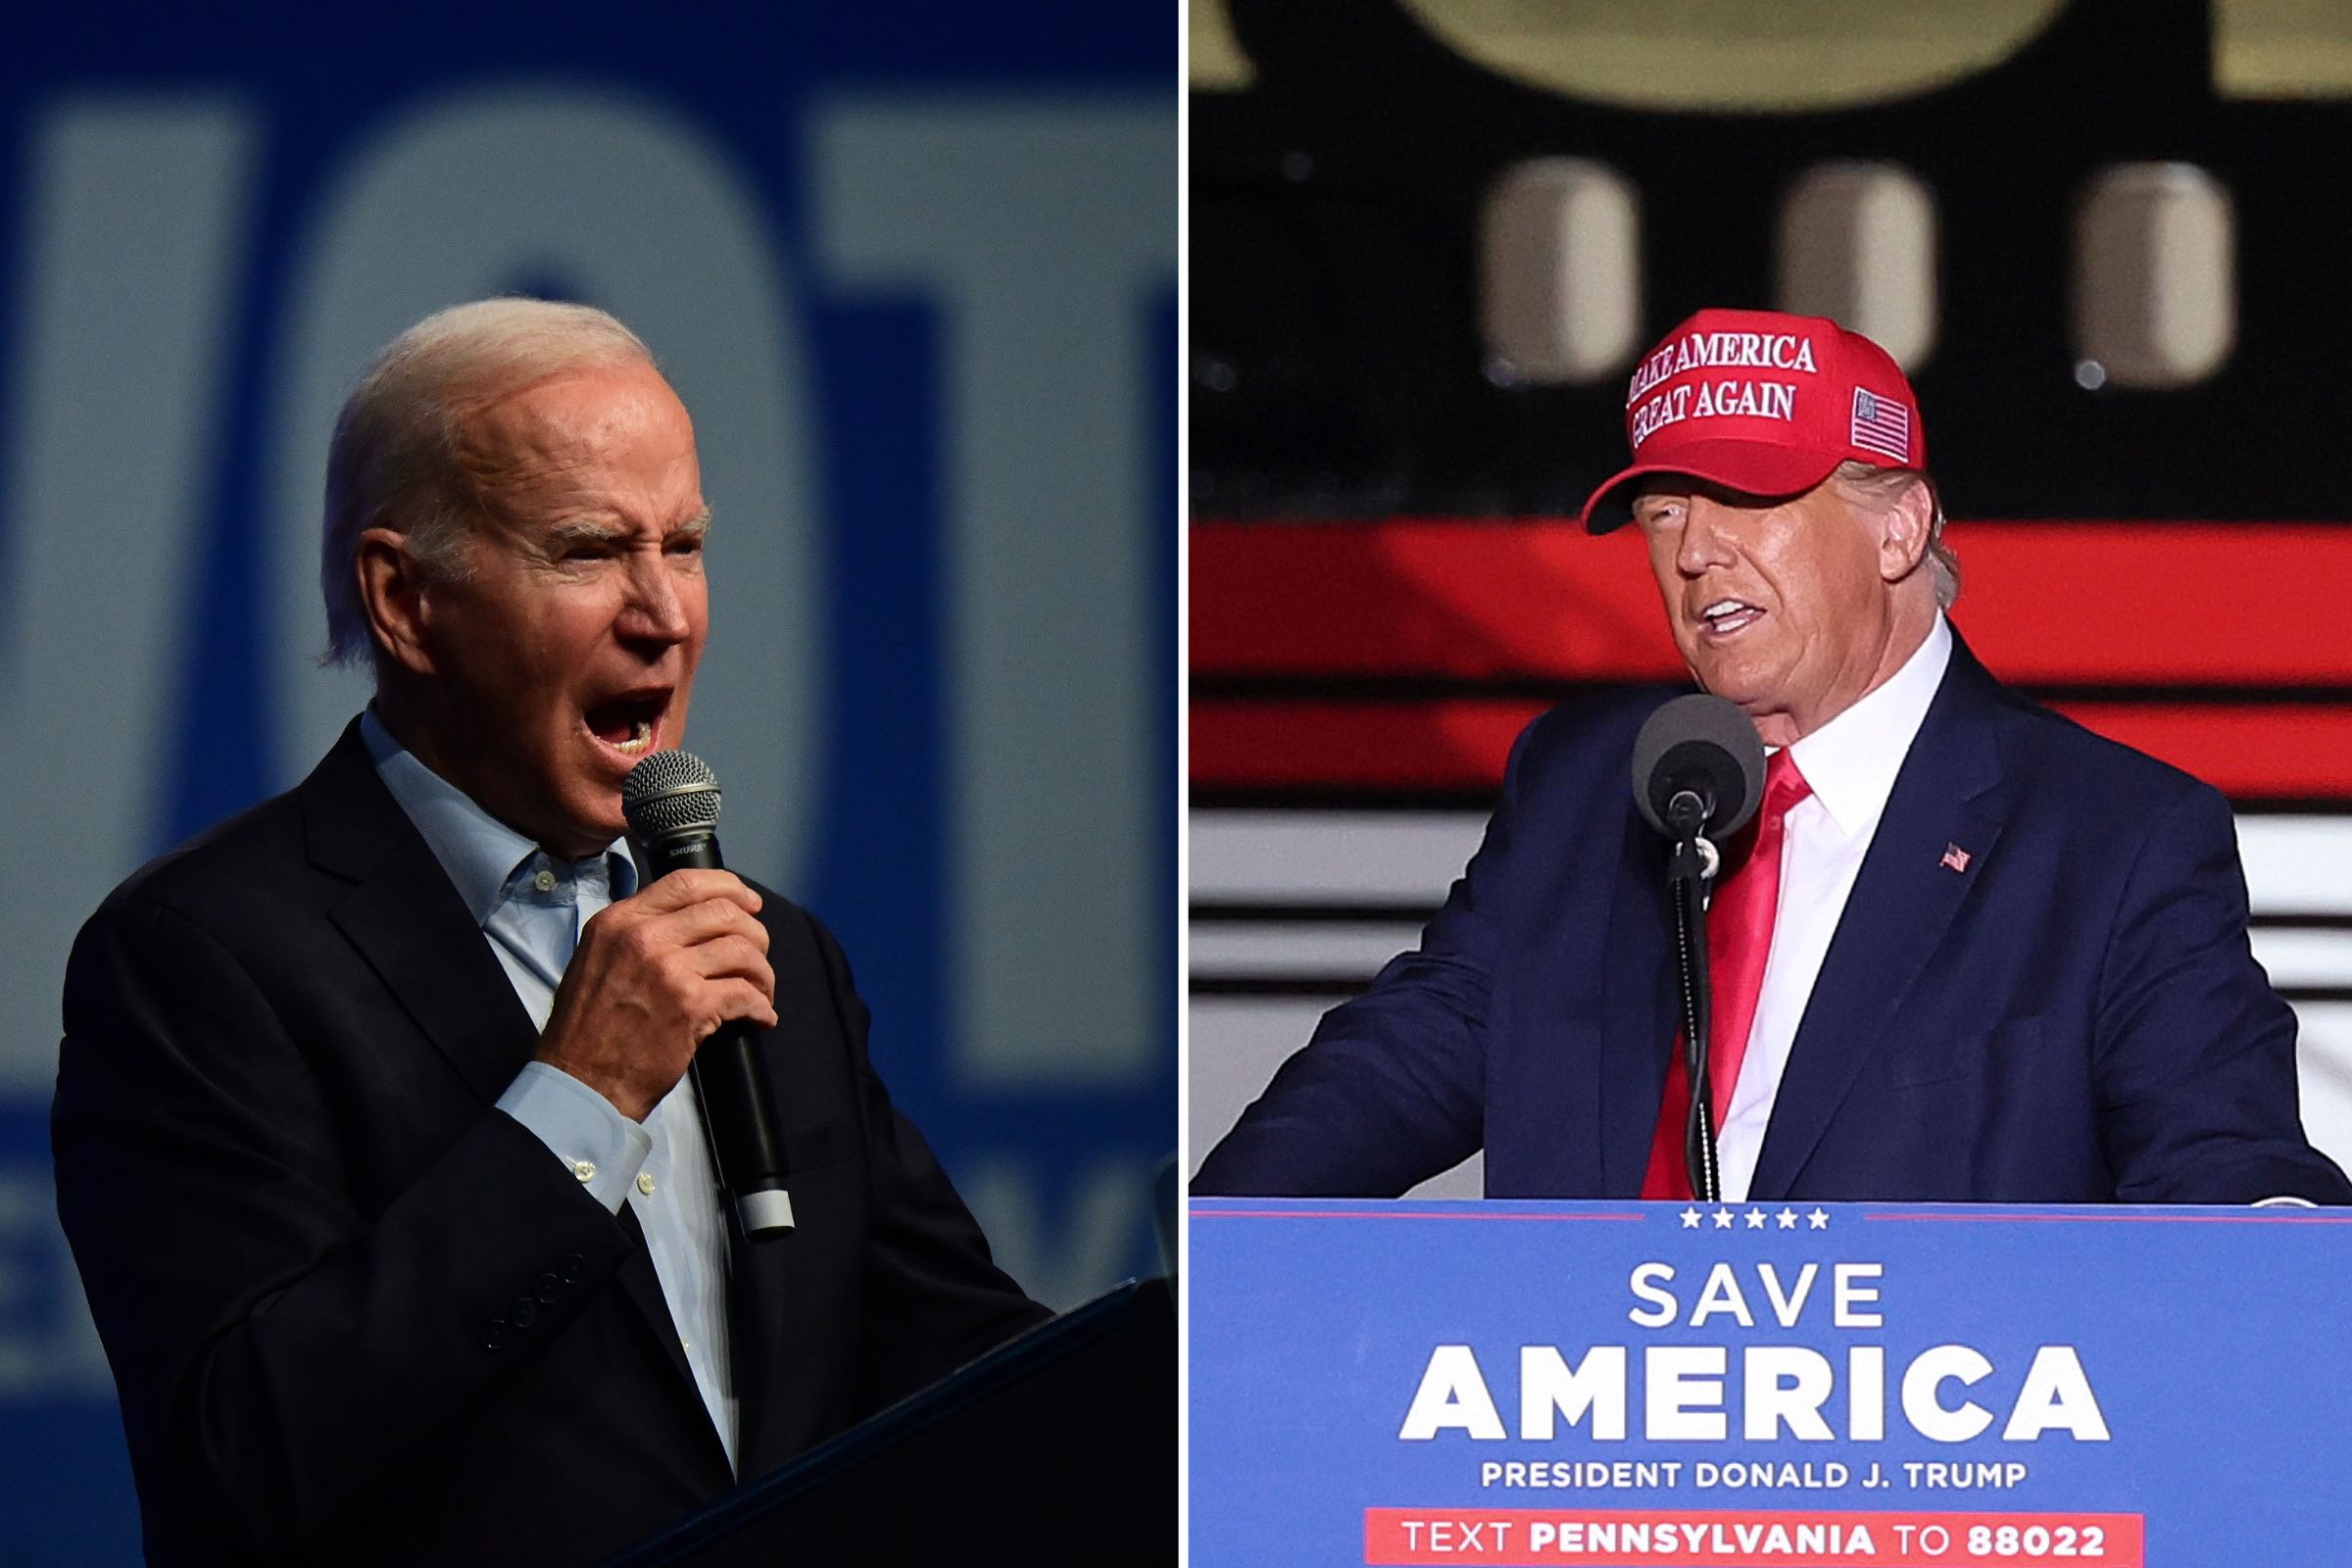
[
  {"x": 671, "y": 801},
  {"x": 1698, "y": 769}
]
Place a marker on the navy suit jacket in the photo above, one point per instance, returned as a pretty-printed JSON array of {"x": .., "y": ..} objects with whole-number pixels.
[
  {"x": 2075, "y": 1017},
  {"x": 356, "y": 1313}
]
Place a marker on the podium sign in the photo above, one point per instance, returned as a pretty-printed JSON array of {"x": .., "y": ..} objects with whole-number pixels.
[{"x": 1788, "y": 1384}]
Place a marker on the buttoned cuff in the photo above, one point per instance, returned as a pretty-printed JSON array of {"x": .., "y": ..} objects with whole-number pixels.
[{"x": 596, "y": 1143}]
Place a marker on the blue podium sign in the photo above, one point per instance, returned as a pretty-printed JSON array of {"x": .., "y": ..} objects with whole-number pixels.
[{"x": 1510, "y": 1382}]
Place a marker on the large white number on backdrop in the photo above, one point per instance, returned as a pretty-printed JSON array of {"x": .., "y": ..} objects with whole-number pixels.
[
  {"x": 640, "y": 214},
  {"x": 1042, "y": 233},
  {"x": 137, "y": 211}
]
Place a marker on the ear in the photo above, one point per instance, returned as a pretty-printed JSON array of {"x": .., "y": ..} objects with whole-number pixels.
[
  {"x": 392, "y": 591},
  {"x": 1905, "y": 529}
]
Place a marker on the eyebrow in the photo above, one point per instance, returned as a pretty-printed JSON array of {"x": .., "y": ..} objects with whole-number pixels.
[{"x": 592, "y": 532}]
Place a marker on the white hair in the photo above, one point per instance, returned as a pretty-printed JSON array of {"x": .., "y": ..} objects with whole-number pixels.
[
  {"x": 392, "y": 460},
  {"x": 1878, "y": 487}
]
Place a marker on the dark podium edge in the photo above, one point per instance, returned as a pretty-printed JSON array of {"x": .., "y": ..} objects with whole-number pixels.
[{"x": 1131, "y": 1307}]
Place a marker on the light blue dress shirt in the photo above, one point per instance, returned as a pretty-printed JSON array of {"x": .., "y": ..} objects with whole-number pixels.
[{"x": 530, "y": 906}]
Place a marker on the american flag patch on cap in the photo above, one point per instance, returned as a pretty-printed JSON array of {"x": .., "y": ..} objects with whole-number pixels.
[{"x": 1882, "y": 425}]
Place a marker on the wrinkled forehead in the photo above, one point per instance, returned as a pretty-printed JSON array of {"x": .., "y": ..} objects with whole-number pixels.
[{"x": 616, "y": 429}]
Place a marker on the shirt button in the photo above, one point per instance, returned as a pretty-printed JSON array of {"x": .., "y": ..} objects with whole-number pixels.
[
  {"x": 545, "y": 881},
  {"x": 584, "y": 1169},
  {"x": 645, "y": 1182}
]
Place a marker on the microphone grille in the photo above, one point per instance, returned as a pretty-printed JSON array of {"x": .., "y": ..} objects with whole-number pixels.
[
  {"x": 1700, "y": 739},
  {"x": 670, "y": 792}
]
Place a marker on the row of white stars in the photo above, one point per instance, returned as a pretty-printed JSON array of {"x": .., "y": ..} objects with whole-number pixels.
[{"x": 1757, "y": 1218}]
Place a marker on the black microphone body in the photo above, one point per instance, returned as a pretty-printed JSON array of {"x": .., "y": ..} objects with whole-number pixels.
[
  {"x": 729, "y": 1074},
  {"x": 1698, "y": 770}
]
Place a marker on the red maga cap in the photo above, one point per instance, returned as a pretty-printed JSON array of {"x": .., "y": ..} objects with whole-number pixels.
[{"x": 1762, "y": 402}]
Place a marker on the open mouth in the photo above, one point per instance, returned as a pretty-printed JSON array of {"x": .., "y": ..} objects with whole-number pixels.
[
  {"x": 1725, "y": 616},
  {"x": 629, "y": 725}
]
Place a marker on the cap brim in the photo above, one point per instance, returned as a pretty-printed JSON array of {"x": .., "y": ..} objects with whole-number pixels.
[{"x": 1749, "y": 467}]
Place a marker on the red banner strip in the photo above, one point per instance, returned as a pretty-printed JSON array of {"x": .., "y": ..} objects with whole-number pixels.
[
  {"x": 1666, "y": 1538},
  {"x": 1455, "y": 745},
  {"x": 2250, "y": 751},
  {"x": 1409, "y": 597},
  {"x": 2253, "y": 750},
  {"x": 2046, "y": 603}
]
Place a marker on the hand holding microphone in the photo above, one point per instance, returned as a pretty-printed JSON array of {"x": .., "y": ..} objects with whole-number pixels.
[
  {"x": 654, "y": 976},
  {"x": 675, "y": 980}
]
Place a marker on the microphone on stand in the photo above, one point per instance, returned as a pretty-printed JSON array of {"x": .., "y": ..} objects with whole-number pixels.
[
  {"x": 1698, "y": 768},
  {"x": 671, "y": 801},
  {"x": 1698, "y": 776}
]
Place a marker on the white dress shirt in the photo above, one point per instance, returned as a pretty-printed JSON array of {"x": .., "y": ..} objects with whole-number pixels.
[
  {"x": 1851, "y": 763},
  {"x": 530, "y": 906}
]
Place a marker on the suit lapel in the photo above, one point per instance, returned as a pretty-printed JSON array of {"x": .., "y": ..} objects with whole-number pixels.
[
  {"x": 757, "y": 1303},
  {"x": 643, "y": 1286},
  {"x": 416, "y": 933},
  {"x": 756, "y": 1298},
  {"x": 407, "y": 921},
  {"x": 778, "y": 1332},
  {"x": 1637, "y": 1006},
  {"x": 1902, "y": 903}
]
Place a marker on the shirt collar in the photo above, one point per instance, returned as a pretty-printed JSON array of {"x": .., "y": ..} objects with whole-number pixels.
[
  {"x": 1851, "y": 760},
  {"x": 480, "y": 854}
]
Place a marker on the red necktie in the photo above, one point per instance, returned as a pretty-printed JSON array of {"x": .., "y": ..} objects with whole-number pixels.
[{"x": 1739, "y": 941}]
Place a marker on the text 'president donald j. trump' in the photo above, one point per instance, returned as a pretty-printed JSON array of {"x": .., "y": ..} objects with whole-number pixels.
[
  {"x": 393, "y": 1209},
  {"x": 1968, "y": 950}
]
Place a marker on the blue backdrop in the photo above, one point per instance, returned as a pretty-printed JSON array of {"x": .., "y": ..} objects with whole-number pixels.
[{"x": 916, "y": 283}]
